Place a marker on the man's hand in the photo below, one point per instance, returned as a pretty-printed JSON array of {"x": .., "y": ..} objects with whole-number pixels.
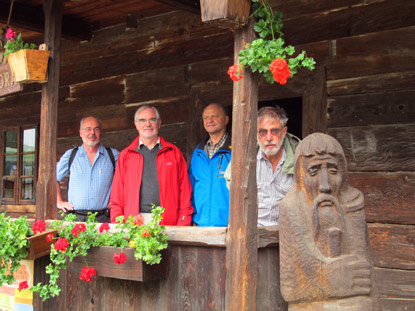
[{"x": 64, "y": 206}]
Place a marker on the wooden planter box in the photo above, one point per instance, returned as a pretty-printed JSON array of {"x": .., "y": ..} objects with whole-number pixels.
[
  {"x": 29, "y": 66},
  {"x": 101, "y": 258},
  {"x": 225, "y": 11},
  {"x": 39, "y": 247}
]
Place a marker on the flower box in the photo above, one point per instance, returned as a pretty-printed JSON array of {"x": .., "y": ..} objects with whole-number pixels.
[
  {"x": 39, "y": 247},
  {"x": 101, "y": 258},
  {"x": 29, "y": 65}
]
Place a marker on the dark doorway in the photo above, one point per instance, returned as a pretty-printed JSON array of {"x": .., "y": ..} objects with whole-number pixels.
[{"x": 294, "y": 109}]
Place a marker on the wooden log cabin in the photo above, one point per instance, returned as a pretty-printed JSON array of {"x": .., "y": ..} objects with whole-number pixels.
[{"x": 117, "y": 55}]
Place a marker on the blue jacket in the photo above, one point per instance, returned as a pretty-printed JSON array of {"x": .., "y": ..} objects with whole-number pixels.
[{"x": 210, "y": 196}]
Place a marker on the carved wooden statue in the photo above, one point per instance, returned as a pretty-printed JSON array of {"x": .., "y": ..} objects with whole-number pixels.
[{"x": 324, "y": 249}]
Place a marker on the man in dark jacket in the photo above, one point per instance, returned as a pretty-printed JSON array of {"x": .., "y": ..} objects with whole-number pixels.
[{"x": 209, "y": 162}]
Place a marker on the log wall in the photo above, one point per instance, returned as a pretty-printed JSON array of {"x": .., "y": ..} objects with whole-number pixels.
[{"x": 366, "y": 50}]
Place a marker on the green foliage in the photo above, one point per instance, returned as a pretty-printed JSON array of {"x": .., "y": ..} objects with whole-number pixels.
[
  {"x": 14, "y": 245},
  {"x": 259, "y": 54},
  {"x": 128, "y": 233},
  {"x": 16, "y": 45}
]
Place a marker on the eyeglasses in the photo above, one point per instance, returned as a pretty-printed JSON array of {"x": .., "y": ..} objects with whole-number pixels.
[
  {"x": 274, "y": 132},
  {"x": 144, "y": 121},
  {"x": 90, "y": 129}
]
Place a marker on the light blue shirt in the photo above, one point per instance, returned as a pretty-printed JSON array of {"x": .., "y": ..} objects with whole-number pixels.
[{"x": 89, "y": 184}]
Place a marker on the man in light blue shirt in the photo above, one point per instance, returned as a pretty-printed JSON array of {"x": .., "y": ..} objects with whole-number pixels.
[{"x": 91, "y": 168}]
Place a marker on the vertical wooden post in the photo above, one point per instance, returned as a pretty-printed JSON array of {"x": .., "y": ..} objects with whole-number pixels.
[
  {"x": 46, "y": 184},
  {"x": 242, "y": 239}
]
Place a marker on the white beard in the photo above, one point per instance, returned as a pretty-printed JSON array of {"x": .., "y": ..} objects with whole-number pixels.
[{"x": 273, "y": 151}]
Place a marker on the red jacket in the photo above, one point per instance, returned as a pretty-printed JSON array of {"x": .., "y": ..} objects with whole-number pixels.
[{"x": 174, "y": 184}]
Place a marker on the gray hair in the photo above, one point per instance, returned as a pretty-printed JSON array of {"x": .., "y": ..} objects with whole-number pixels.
[
  {"x": 84, "y": 118},
  {"x": 141, "y": 108},
  {"x": 273, "y": 113}
]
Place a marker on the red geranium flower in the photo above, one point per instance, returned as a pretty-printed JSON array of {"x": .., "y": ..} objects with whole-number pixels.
[
  {"x": 120, "y": 258},
  {"x": 77, "y": 229},
  {"x": 146, "y": 233},
  {"x": 23, "y": 285},
  {"x": 104, "y": 226},
  {"x": 38, "y": 226},
  {"x": 235, "y": 72},
  {"x": 10, "y": 35},
  {"x": 87, "y": 274},
  {"x": 280, "y": 70},
  {"x": 61, "y": 244},
  {"x": 138, "y": 220},
  {"x": 49, "y": 237}
]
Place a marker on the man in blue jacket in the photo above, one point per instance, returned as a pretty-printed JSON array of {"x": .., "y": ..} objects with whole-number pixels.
[{"x": 209, "y": 161}]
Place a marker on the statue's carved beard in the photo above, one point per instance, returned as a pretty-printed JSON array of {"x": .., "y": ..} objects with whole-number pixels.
[{"x": 325, "y": 200}]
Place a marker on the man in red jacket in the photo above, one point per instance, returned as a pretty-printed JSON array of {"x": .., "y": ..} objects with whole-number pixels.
[{"x": 151, "y": 171}]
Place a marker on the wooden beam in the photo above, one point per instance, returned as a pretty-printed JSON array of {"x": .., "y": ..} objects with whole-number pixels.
[
  {"x": 192, "y": 6},
  {"x": 46, "y": 184},
  {"x": 225, "y": 13},
  {"x": 242, "y": 239},
  {"x": 32, "y": 18}
]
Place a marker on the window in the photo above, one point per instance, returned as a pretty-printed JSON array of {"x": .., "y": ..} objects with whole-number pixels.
[{"x": 19, "y": 165}]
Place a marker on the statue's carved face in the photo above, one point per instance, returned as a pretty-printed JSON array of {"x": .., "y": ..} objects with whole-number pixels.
[{"x": 322, "y": 179}]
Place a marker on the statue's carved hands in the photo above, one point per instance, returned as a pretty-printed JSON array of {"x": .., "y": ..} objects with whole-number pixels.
[{"x": 349, "y": 276}]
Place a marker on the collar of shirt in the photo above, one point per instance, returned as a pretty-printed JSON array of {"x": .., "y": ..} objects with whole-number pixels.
[
  {"x": 219, "y": 143},
  {"x": 261, "y": 156},
  {"x": 140, "y": 142},
  {"x": 82, "y": 152},
  {"x": 211, "y": 149}
]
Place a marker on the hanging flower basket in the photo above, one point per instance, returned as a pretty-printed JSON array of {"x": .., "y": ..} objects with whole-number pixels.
[{"x": 29, "y": 65}]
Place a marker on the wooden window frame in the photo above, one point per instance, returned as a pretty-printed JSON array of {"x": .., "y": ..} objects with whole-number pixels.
[{"x": 17, "y": 200}]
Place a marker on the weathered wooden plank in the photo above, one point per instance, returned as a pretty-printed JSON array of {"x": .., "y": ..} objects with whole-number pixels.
[
  {"x": 149, "y": 296},
  {"x": 241, "y": 241},
  {"x": 112, "y": 294},
  {"x": 380, "y": 54},
  {"x": 176, "y": 53},
  {"x": 155, "y": 85},
  {"x": 389, "y": 197},
  {"x": 381, "y": 148},
  {"x": 188, "y": 277},
  {"x": 217, "y": 279},
  {"x": 374, "y": 109},
  {"x": 268, "y": 236},
  {"x": 295, "y": 8},
  {"x": 348, "y": 21},
  {"x": 132, "y": 295},
  {"x": 393, "y": 246},
  {"x": 396, "y": 283},
  {"x": 373, "y": 83},
  {"x": 18, "y": 208},
  {"x": 171, "y": 288},
  {"x": 269, "y": 296},
  {"x": 25, "y": 105},
  {"x": 397, "y": 304},
  {"x": 46, "y": 185}
]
